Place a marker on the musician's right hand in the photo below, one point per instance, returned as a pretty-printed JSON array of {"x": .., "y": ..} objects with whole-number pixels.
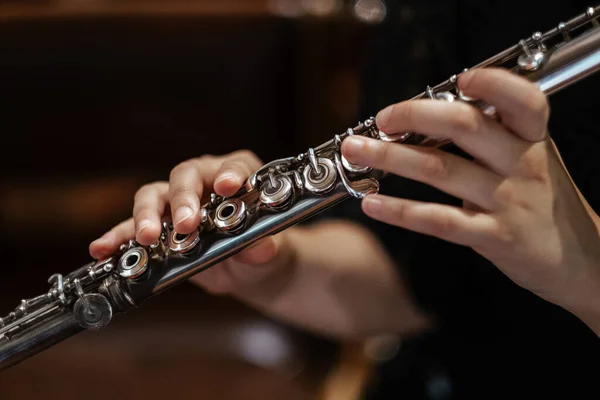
[{"x": 189, "y": 186}]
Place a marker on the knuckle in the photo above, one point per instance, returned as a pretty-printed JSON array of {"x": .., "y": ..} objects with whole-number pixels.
[
  {"x": 536, "y": 110},
  {"x": 140, "y": 217},
  {"x": 382, "y": 151},
  {"x": 536, "y": 103},
  {"x": 181, "y": 168},
  {"x": 472, "y": 79},
  {"x": 238, "y": 166},
  {"x": 434, "y": 167},
  {"x": 144, "y": 190},
  {"x": 247, "y": 155},
  {"x": 534, "y": 166},
  {"x": 204, "y": 158},
  {"x": 504, "y": 234},
  {"x": 505, "y": 194},
  {"x": 140, "y": 214},
  {"x": 510, "y": 197},
  {"x": 398, "y": 210},
  {"x": 180, "y": 193},
  {"x": 466, "y": 121},
  {"x": 232, "y": 173},
  {"x": 444, "y": 225}
]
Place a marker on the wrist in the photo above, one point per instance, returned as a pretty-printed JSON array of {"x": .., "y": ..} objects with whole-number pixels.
[{"x": 583, "y": 299}]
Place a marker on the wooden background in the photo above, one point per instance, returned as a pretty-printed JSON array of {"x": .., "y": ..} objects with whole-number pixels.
[{"x": 100, "y": 97}]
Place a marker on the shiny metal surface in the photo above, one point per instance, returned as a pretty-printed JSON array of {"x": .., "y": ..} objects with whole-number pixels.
[
  {"x": 179, "y": 243},
  {"x": 310, "y": 183},
  {"x": 530, "y": 60},
  {"x": 277, "y": 191},
  {"x": 92, "y": 311},
  {"x": 570, "y": 63},
  {"x": 133, "y": 263},
  {"x": 224, "y": 246},
  {"x": 358, "y": 188},
  {"x": 559, "y": 65},
  {"x": 230, "y": 214},
  {"x": 31, "y": 341},
  {"x": 321, "y": 177}
]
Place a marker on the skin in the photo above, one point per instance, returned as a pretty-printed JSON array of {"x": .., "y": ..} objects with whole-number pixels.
[{"x": 521, "y": 211}]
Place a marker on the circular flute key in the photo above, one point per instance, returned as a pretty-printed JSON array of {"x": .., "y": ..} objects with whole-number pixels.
[
  {"x": 92, "y": 311},
  {"x": 277, "y": 195},
  {"x": 445, "y": 96},
  {"x": 230, "y": 214},
  {"x": 133, "y": 263},
  {"x": 530, "y": 60},
  {"x": 183, "y": 243},
  {"x": 320, "y": 182}
]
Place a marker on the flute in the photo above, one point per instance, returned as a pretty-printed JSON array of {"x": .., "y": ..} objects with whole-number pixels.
[{"x": 280, "y": 194}]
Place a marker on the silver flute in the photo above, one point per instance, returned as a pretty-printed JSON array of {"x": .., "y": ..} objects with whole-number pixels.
[{"x": 282, "y": 193}]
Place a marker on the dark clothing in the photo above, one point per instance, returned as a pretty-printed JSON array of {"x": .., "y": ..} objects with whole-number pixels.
[{"x": 496, "y": 339}]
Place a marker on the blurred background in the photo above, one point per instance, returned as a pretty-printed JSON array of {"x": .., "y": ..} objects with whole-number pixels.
[{"x": 99, "y": 97}]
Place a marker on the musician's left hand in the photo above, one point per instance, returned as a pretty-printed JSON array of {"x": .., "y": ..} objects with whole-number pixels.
[{"x": 521, "y": 209}]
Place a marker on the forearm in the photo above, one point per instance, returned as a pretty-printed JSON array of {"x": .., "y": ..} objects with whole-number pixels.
[{"x": 338, "y": 281}]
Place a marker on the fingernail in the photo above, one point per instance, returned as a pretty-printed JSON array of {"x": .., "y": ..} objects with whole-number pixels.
[
  {"x": 372, "y": 204},
  {"x": 182, "y": 213},
  {"x": 227, "y": 176},
  {"x": 353, "y": 146},
  {"x": 383, "y": 116},
  {"x": 143, "y": 225}
]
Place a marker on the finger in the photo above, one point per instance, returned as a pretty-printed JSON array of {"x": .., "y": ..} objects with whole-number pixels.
[
  {"x": 261, "y": 262},
  {"x": 149, "y": 206},
  {"x": 259, "y": 253},
  {"x": 447, "y": 172},
  {"x": 243, "y": 270},
  {"x": 214, "y": 280},
  {"x": 449, "y": 223},
  {"x": 234, "y": 171},
  {"x": 480, "y": 136},
  {"x": 521, "y": 104},
  {"x": 111, "y": 240},
  {"x": 186, "y": 185}
]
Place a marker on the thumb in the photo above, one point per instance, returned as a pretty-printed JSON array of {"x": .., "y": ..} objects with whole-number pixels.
[
  {"x": 247, "y": 269},
  {"x": 259, "y": 253},
  {"x": 261, "y": 266}
]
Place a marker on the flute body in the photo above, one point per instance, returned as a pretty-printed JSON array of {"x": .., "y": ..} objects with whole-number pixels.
[{"x": 281, "y": 194}]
